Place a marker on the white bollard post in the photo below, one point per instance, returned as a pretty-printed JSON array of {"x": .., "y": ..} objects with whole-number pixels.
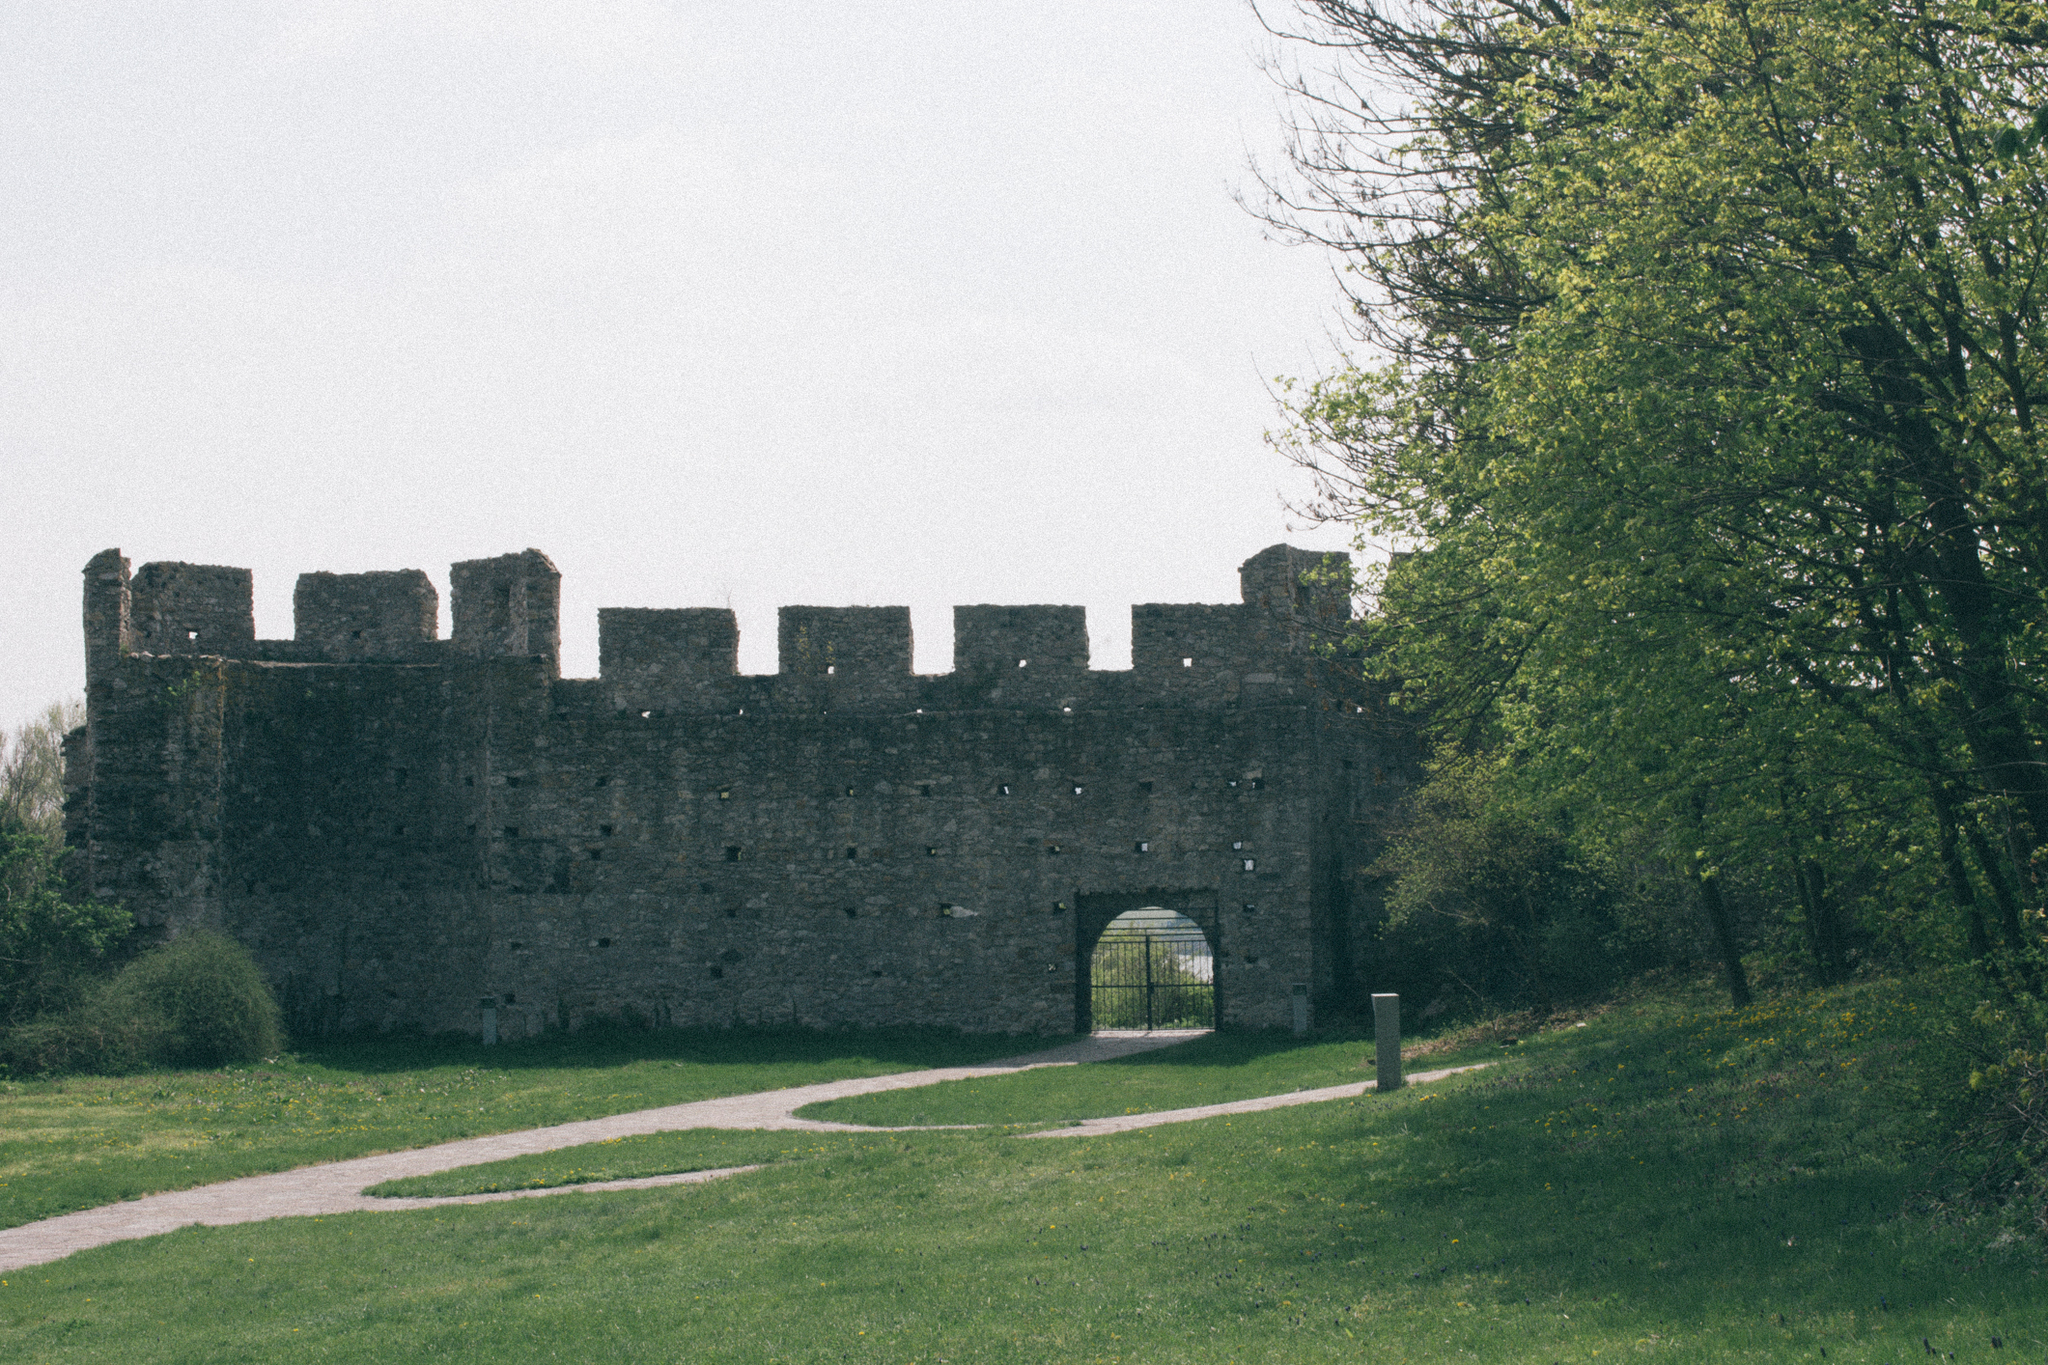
[
  {"x": 1386, "y": 1030},
  {"x": 490, "y": 1009},
  {"x": 1300, "y": 992}
]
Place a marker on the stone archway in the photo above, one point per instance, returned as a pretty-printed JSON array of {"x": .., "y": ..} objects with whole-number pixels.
[{"x": 1146, "y": 962}]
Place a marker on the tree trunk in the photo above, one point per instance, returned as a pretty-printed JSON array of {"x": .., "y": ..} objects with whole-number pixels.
[
  {"x": 1724, "y": 937},
  {"x": 1959, "y": 884}
]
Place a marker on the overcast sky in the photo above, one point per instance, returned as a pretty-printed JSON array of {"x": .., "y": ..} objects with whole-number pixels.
[{"x": 717, "y": 304}]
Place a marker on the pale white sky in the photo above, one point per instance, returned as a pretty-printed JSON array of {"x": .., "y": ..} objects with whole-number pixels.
[{"x": 716, "y": 304}]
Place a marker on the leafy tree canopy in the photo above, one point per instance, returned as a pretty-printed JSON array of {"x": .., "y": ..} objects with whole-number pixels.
[{"x": 1704, "y": 349}]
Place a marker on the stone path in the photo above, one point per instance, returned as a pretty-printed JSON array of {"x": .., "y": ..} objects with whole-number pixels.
[
  {"x": 1124, "y": 1123},
  {"x": 337, "y": 1186}
]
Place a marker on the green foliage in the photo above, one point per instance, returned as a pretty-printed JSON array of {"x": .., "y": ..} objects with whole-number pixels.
[
  {"x": 198, "y": 1001},
  {"x": 51, "y": 947},
  {"x": 1707, "y": 388},
  {"x": 1490, "y": 899},
  {"x": 32, "y": 770},
  {"x": 1993, "y": 1134},
  {"x": 206, "y": 999},
  {"x": 1709, "y": 354}
]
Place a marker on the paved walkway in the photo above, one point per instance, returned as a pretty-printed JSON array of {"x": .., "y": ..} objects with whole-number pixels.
[{"x": 337, "y": 1186}]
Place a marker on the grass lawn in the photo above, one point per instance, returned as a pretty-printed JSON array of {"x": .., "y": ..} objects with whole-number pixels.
[
  {"x": 1670, "y": 1182},
  {"x": 1206, "y": 1070},
  {"x": 82, "y": 1141},
  {"x": 628, "y": 1158}
]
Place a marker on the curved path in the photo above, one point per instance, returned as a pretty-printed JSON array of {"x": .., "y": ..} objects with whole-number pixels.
[{"x": 337, "y": 1186}]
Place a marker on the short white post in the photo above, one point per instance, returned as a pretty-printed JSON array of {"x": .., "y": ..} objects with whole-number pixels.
[
  {"x": 1300, "y": 992},
  {"x": 1386, "y": 1037},
  {"x": 490, "y": 1009}
]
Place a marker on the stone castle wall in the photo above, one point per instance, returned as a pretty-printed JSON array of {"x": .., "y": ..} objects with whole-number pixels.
[{"x": 405, "y": 828}]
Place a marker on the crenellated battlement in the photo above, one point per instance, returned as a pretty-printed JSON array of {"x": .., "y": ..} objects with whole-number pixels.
[
  {"x": 361, "y": 616},
  {"x": 686, "y": 660},
  {"x": 402, "y": 824}
]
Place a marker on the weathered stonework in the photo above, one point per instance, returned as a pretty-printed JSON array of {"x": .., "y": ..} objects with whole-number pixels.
[{"x": 404, "y": 828}]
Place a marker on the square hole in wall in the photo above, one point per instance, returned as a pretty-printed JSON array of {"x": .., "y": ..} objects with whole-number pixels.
[
  {"x": 931, "y": 853},
  {"x": 472, "y": 831},
  {"x": 604, "y": 781},
  {"x": 1250, "y": 864},
  {"x": 398, "y": 830},
  {"x": 511, "y": 831},
  {"x": 604, "y": 943},
  {"x": 731, "y": 912},
  {"x": 1003, "y": 789},
  {"x": 1250, "y": 909},
  {"x": 1239, "y": 844},
  {"x": 605, "y": 831},
  {"x": 850, "y": 912},
  {"x": 1144, "y": 846},
  {"x": 596, "y": 855},
  {"x": 469, "y": 781},
  {"x": 852, "y": 853},
  {"x": 732, "y": 853},
  {"x": 924, "y": 789},
  {"x": 1059, "y": 907},
  {"x": 849, "y": 791},
  {"x": 510, "y": 998},
  {"x": 511, "y": 781},
  {"x": 1145, "y": 786},
  {"x": 1052, "y": 848},
  {"x": 1258, "y": 784},
  {"x": 717, "y": 973}
]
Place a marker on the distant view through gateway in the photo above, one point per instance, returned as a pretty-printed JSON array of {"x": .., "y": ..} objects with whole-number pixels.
[{"x": 1152, "y": 969}]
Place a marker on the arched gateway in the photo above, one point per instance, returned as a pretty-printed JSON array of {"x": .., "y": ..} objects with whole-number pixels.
[{"x": 1146, "y": 962}]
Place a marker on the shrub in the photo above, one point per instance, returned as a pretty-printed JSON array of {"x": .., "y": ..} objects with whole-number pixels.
[
  {"x": 198, "y": 1001},
  {"x": 52, "y": 948},
  {"x": 1992, "y": 1133},
  {"x": 204, "y": 1000}
]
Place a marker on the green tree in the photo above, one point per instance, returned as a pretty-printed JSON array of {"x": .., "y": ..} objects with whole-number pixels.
[
  {"x": 1498, "y": 901},
  {"x": 1707, "y": 343},
  {"x": 51, "y": 946},
  {"x": 32, "y": 770}
]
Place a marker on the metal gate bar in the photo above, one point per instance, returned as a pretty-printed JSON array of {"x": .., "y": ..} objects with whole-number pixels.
[{"x": 1152, "y": 970}]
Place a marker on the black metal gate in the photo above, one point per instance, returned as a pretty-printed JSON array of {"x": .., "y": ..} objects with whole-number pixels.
[{"x": 1152, "y": 969}]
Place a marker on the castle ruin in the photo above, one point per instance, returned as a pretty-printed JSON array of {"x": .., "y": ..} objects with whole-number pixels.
[{"x": 423, "y": 833}]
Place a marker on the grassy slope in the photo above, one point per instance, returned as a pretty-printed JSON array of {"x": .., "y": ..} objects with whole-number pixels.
[
  {"x": 629, "y": 1158},
  {"x": 82, "y": 1141},
  {"x": 1207, "y": 1070},
  {"x": 1697, "y": 1186}
]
